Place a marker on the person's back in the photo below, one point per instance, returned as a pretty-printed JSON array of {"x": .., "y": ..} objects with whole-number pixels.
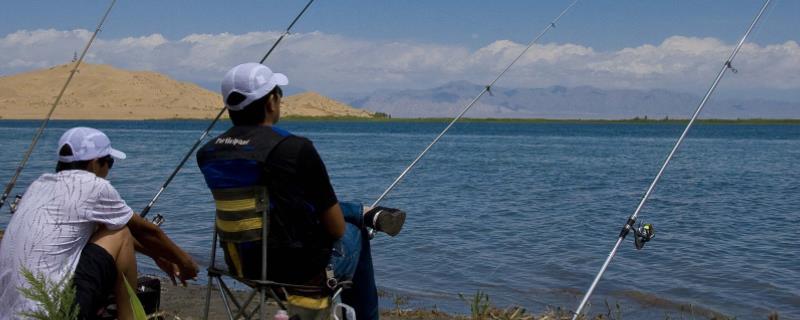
[
  {"x": 73, "y": 227},
  {"x": 54, "y": 221},
  {"x": 255, "y": 163},
  {"x": 247, "y": 160}
]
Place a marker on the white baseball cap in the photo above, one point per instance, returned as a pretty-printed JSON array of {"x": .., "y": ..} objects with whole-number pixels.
[
  {"x": 87, "y": 144},
  {"x": 253, "y": 80}
]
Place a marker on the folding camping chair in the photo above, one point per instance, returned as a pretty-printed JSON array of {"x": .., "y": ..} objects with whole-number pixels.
[{"x": 319, "y": 302}]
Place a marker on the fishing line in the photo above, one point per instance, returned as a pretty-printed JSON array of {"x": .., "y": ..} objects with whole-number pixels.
[
  {"x": 632, "y": 219},
  {"x": 158, "y": 219},
  {"x": 40, "y": 131},
  {"x": 486, "y": 89}
]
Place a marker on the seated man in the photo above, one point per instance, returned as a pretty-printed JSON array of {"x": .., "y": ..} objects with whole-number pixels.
[
  {"x": 74, "y": 224},
  {"x": 254, "y": 165}
]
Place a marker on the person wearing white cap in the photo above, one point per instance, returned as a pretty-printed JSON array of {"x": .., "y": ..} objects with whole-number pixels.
[
  {"x": 310, "y": 229},
  {"x": 73, "y": 223}
]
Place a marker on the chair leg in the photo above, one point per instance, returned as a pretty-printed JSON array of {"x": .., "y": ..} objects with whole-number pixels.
[
  {"x": 243, "y": 310},
  {"x": 258, "y": 310},
  {"x": 225, "y": 300},
  {"x": 262, "y": 304},
  {"x": 264, "y": 293},
  {"x": 210, "y": 278},
  {"x": 274, "y": 296},
  {"x": 230, "y": 294}
]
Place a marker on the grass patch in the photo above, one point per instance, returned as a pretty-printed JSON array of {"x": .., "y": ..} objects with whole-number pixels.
[{"x": 56, "y": 299}]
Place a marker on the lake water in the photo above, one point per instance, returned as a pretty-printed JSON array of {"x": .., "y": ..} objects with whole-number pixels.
[{"x": 524, "y": 212}]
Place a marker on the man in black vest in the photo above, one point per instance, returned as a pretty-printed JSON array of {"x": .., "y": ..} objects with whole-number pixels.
[{"x": 255, "y": 163}]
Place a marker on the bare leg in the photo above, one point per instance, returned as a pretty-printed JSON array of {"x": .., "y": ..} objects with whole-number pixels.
[{"x": 119, "y": 243}]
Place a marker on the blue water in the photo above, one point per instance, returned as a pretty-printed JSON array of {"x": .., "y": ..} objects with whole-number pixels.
[{"x": 525, "y": 212}]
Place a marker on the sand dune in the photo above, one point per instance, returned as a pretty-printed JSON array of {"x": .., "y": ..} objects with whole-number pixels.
[{"x": 104, "y": 92}]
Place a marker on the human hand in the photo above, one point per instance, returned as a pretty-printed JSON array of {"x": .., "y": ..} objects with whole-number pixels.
[
  {"x": 183, "y": 271},
  {"x": 187, "y": 270},
  {"x": 169, "y": 268}
]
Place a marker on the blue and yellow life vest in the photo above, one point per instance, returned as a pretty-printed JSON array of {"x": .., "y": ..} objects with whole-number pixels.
[
  {"x": 234, "y": 165},
  {"x": 236, "y": 168}
]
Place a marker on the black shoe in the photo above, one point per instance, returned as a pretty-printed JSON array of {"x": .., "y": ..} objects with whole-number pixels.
[{"x": 387, "y": 220}]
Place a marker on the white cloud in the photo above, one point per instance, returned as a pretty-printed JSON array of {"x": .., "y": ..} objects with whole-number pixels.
[
  {"x": 25, "y": 50},
  {"x": 333, "y": 63}
]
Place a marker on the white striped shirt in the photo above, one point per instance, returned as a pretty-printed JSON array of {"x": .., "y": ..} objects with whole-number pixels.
[{"x": 54, "y": 221}]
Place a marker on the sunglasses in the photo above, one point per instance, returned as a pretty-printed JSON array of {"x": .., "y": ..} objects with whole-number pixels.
[{"x": 108, "y": 160}]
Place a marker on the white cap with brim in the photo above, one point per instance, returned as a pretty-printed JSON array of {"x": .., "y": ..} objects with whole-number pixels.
[
  {"x": 252, "y": 80},
  {"x": 87, "y": 144}
]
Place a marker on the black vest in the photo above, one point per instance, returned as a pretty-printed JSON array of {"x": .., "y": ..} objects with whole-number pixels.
[{"x": 237, "y": 169}]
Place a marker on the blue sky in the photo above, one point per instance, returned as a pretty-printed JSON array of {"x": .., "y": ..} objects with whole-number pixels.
[
  {"x": 598, "y": 24},
  {"x": 376, "y": 37}
]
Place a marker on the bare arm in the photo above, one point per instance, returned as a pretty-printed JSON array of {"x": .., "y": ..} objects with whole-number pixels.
[
  {"x": 153, "y": 242},
  {"x": 333, "y": 220}
]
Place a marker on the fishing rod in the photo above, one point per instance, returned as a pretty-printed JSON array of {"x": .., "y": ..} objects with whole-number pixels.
[
  {"x": 40, "y": 131},
  {"x": 645, "y": 233},
  {"x": 159, "y": 219},
  {"x": 487, "y": 88}
]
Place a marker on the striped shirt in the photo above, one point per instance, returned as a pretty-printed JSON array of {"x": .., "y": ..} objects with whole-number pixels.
[{"x": 54, "y": 221}]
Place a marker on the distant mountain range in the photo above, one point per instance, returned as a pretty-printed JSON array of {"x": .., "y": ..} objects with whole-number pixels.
[{"x": 558, "y": 102}]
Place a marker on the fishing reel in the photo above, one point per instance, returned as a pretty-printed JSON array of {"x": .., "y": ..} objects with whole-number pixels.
[
  {"x": 642, "y": 234},
  {"x": 158, "y": 220},
  {"x": 14, "y": 204}
]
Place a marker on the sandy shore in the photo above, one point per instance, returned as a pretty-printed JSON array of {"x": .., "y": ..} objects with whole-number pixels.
[{"x": 187, "y": 303}]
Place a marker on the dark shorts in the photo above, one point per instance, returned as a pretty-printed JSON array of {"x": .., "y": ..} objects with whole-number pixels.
[{"x": 94, "y": 279}]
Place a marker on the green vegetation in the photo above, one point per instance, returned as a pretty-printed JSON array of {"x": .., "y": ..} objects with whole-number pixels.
[
  {"x": 481, "y": 308},
  {"x": 57, "y": 300},
  {"x": 382, "y": 115},
  {"x": 478, "y": 305}
]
